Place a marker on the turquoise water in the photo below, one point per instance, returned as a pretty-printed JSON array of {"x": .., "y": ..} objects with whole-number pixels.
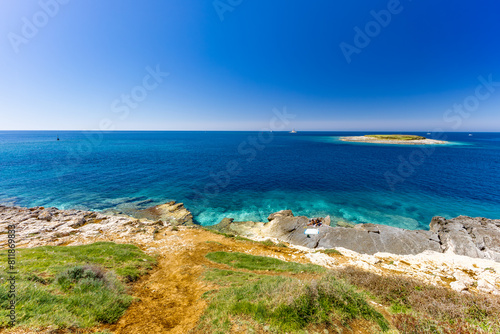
[{"x": 222, "y": 174}]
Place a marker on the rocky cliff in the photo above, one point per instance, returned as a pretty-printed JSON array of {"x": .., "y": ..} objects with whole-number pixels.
[{"x": 473, "y": 237}]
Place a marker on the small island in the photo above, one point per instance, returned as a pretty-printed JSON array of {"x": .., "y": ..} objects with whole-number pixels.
[{"x": 393, "y": 139}]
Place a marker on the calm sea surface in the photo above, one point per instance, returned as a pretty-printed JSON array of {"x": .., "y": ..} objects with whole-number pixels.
[{"x": 247, "y": 175}]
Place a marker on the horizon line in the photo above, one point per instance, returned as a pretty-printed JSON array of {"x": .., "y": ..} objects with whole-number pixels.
[{"x": 261, "y": 130}]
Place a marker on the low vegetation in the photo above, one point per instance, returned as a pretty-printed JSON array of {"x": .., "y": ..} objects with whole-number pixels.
[
  {"x": 247, "y": 298},
  {"x": 421, "y": 308},
  {"x": 252, "y": 262},
  {"x": 278, "y": 302},
  {"x": 330, "y": 251},
  {"x": 396, "y": 137},
  {"x": 74, "y": 286},
  {"x": 268, "y": 243}
]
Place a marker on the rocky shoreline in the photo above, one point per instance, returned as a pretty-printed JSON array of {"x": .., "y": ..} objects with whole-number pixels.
[
  {"x": 462, "y": 253},
  {"x": 363, "y": 139},
  {"x": 467, "y": 236}
]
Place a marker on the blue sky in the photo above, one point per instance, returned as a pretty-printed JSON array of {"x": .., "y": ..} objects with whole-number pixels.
[{"x": 73, "y": 72}]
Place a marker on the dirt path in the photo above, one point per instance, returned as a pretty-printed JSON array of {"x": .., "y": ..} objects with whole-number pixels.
[{"x": 170, "y": 299}]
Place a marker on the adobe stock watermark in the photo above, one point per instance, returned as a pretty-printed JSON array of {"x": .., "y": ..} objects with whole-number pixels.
[
  {"x": 248, "y": 151},
  {"x": 31, "y": 26},
  {"x": 120, "y": 108},
  {"x": 372, "y": 29},
  {"x": 11, "y": 272},
  {"x": 471, "y": 103},
  {"x": 223, "y": 6},
  {"x": 407, "y": 166}
]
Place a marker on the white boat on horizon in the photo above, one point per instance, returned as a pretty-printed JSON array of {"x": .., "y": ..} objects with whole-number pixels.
[{"x": 293, "y": 131}]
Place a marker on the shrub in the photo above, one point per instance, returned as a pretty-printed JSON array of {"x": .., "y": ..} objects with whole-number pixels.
[{"x": 86, "y": 274}]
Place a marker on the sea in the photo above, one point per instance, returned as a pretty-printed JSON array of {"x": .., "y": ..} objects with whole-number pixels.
[{"x": 248, "y": 175}]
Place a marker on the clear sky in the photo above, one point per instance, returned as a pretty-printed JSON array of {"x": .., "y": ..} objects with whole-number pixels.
[{"x": 336, "y": 65}]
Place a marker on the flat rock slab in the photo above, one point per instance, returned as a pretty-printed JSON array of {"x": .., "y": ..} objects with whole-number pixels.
[{"x": 363, "y": 238}]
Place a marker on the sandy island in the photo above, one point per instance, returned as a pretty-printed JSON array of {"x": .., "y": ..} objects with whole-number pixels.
[{"x": 393, "y": 139}]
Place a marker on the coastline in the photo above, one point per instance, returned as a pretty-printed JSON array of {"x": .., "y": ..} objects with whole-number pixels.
[
  {"x": 438, "y": 256},
  {"x": 363, "y": 139}
]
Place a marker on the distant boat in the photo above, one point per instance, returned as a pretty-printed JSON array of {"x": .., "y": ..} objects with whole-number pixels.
[
  {"x": 428, "y": 133},
  {"x": 470, "y": 134},
  {"x": 293, "y": 131}
]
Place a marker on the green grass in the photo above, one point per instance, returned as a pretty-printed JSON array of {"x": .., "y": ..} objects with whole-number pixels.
[
  {"x": 229, "y": 277},
  {"x": 330, "y": 251},
  {"x": 267, "y": 242},
  {"x": 227, "y": 235},
  {"x": 396, "y": 137},
  {"x": 73, "y": 286},
  {"x": 282, "y": 303},
  {"x": 251, "y": 262}
]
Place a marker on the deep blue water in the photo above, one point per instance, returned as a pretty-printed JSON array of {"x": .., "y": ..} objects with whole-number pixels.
[{"x": 311, "y": 173}]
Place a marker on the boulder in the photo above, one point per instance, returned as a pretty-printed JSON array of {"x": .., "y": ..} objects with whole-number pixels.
[
  {"x": 45, "y": 215},
  {"x": 171, "y": 212},
  {"x": 282, "y": 213},
  {"x": 229, "y": 226}
]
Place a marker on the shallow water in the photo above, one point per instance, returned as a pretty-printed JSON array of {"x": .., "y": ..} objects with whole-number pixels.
[{"x": 220, "y": 174}]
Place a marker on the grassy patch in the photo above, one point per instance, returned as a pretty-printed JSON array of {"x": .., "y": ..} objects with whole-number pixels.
[
  {"x": 422, "y": 308},
  {"x": 285, "y": 304},
  {"x": 227, "y": 235},
  {"x": 73, "y": 286},
  {"x": 330, "y": 251},
  {"x": 396, "y": 137},
  {"x": 252, "y": 262},
  {"x": 267, "y": 242},
  {"x": 229, "y": 277}
]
